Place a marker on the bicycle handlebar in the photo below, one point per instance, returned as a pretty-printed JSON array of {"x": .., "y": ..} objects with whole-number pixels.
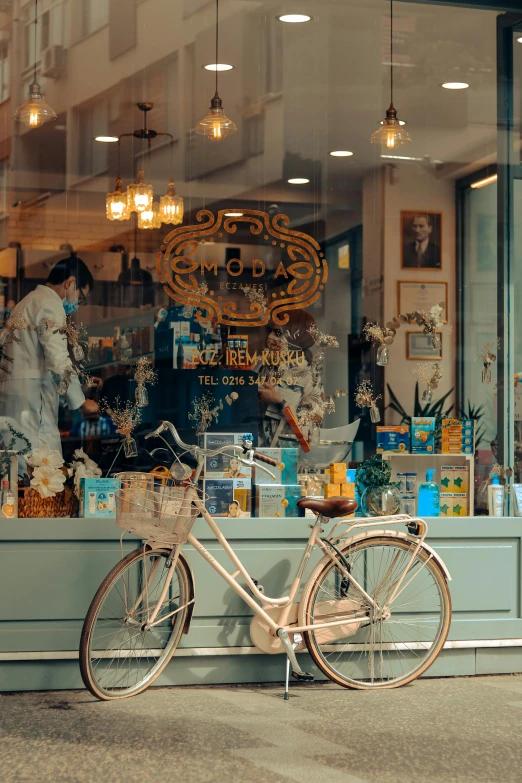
[{"x": 264, "y": 458}]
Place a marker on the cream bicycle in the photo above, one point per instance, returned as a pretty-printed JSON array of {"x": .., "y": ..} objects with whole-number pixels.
[{"x": 374, "y": 612}]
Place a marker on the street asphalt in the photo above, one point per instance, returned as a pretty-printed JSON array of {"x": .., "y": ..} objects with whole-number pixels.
[{"x": 454, "y": 730}]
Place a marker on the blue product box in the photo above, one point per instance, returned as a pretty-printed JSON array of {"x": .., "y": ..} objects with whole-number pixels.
[
  {"x": 423, "y": 435},
  {"x": 228, "y": 497},
  {"x": 97, "y": 497},
  {"x": 286, "y": 470},
  {"x": 224, "y": 466},
  {"x": 274, "y": 500},
  {"x": 350, "y": 475},
  {"x": 393, "y": 440}
]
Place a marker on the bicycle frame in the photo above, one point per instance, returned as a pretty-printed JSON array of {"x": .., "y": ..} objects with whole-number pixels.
[{"x": 254, "y": 595}]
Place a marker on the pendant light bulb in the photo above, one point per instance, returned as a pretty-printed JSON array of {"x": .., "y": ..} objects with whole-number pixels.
[
  {"x": 391, "y": 134},
  {"x": 139, "y": 194},
  {"x": 215, "y": 125},
  {"x": 150, "y": 217},
  {"x": 116, "y": 204},
  {"x": 35, "y": 111},
  {"x": 171, "y": 207}
]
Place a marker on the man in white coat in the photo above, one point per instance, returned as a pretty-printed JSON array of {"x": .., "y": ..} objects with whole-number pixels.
[{"x": 36, "y": 359}]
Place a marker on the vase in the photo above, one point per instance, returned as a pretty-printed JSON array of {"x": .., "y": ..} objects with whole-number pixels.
[
  {"x": 382, "y": 355},
  {"x": 486, "y": 374},
  {"x": 130, "y": 448},
  {"x": 381, "y": 501},
  {"x": 375, "y": 415},
  {"x": 427, "y": 395},
  {"x": 142, "y": 396}
]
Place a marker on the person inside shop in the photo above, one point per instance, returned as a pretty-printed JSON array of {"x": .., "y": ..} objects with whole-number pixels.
[
  {"x": 283, "y": 383},
  {"x": 36, "y": 357}
]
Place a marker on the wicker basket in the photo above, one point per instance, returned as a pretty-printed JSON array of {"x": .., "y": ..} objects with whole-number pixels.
[{"x": 31, "y": 505}]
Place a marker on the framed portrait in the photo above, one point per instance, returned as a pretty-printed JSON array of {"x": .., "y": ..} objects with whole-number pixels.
[
  {"x": 419, "y": 346},
  {"x": 421, "y": 240},
  {"x": 422, "y": 296}
]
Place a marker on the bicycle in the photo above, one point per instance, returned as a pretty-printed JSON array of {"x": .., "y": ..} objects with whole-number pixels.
[{"x": 374, "y": 612}]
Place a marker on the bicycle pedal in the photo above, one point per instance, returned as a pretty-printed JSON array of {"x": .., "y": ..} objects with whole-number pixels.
[{"x": 303, "y": 676}]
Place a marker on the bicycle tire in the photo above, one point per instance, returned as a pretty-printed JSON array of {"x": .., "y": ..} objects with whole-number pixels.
[
  {"x": 394, "y": 649},
  {"x": 90, "y": 677}
]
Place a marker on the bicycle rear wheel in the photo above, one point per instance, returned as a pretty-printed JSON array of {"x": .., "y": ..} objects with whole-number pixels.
[
  {"x": 119, "y": 655},
  {"x": 378, "y": 652}
]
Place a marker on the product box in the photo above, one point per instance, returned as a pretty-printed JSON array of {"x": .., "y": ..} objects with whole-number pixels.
[
  {"x": 224, "y": 465},
  {"x": 350, "y": 475},
  {"x": 458, "y": 436},
  {"x": 409, "y": 505},
  {"x": 348, "y": 490},
  {"x": 97, "y": 497},
  {"x": 455, "y": 505},
  {"x": 393, "y": 439},
  {"x": 332, "y": 490},
  {"x": 286, "y": 470},
  {"x": 407, "y": 483},
  {"x": 278, "y": 501},
  {"x": 423, "y": 435},
  {"x": 338, "y": 472},
  {"x": 228, "y": 497},
  {"x": 454, "y": 479}
]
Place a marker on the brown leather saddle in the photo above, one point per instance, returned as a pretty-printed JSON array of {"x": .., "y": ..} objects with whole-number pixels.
[{"x": 329, "y": 507}]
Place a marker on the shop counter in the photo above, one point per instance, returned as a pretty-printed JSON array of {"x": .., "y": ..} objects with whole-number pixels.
[{"x": 51, "y": 568}]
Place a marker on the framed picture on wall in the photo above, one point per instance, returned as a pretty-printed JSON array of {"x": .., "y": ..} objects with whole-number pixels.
[
  {"x": 421, "y": 240},
  {"x": 419, "y": 346},
  {"x": 418, "y": 295}
]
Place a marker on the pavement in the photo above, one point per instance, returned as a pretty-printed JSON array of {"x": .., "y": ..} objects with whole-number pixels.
[{"x": 454, "y": 730}]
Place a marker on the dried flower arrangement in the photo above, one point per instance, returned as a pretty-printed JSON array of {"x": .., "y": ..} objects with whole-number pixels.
[
  {"x": 255, "y": 296},
  {"x": 144, "y": 373},
  {"x": 364, "y": 399},
  {"x": 431, "y": 375},
  {"x": 381, "y": 335},
  {"x": 487, "y": 357},
  {"x": 204, "y": 412},
  {"x": 126, "y": 417}
]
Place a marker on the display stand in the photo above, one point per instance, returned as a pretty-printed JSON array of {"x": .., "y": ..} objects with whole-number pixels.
[{"x": 419, "y": 463}]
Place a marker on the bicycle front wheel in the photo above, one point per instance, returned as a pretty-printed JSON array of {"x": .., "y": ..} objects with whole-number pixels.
[
  {"x": 120, "y": 655},
  {"x": 386, "y": 649}
]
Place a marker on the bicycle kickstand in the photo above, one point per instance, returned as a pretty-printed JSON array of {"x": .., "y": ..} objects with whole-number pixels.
[{"x": 297, "y": 641}]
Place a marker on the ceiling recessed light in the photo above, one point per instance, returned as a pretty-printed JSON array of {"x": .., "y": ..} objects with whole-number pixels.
[
  {"x": 106, "y": 139},
  {"x": 401, "y": 122},
  {"x": 298, "y": 181},
  {"x": 455, "y": 85},
  {"x": 218, "y": 67},
  {"x": 294, "y": 18},
  {"x": 341, "y": 153},
  {"x": 234, "y": 214}
]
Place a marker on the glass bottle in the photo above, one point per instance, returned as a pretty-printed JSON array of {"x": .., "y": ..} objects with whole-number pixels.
[
  {"x": 180, "y": 356},
  {"x": 375, "y": 415},
  {"x": 486, "y": 374},
  {"x": 427, "y": 394},
  {"x": 130, "y": 448},
  {"x": 382, "y": 355},
  {"x": 142, "y": 396}
]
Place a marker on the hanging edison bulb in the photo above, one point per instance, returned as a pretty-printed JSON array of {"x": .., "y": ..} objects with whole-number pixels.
[
  {"x": 215, "y": 125},
  {"x": 139, "y": 194},
  {"x": 390, "y": 134},
  {"x": 150, "y": 217},
  {"x": 171, "y": 207},
  {"x": 35, "y": 110},
  {"x": 116, "y": 204}
]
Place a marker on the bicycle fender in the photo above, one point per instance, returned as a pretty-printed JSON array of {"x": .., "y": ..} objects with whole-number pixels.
[
  {"x": 190, "y": 610},
  {"x": 361, "y": 537},
  {"x": 398, "y": 534}
]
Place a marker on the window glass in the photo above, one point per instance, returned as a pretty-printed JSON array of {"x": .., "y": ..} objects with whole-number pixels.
[{"x": 291, "y": 279}]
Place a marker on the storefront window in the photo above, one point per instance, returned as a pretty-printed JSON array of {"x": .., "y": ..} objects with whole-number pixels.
[{"x": 273, "y": 272}]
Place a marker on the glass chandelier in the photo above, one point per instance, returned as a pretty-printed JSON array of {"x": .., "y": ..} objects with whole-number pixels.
[
  {"x": 139, "y": 196},
  {"x": 390, "y": 134},
  {"x": 215, "y": 125},
  {"x": 34, "y": 111}
]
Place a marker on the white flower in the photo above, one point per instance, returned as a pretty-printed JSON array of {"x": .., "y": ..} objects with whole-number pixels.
[
  {"x": 92, "y": 468},
  {"x": 46, "y": 457},
  {"x": 47, "y": 482}
]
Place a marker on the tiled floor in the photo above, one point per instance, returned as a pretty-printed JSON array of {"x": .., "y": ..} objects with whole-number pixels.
[{"x": 460, "y": 730}]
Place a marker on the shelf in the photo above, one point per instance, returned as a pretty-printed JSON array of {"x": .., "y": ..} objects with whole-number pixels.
[
  {"x": 131, "y": 360},
  {"x": 408, "y": 454}
]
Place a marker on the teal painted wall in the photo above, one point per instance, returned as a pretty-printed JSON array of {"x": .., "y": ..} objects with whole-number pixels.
[{"x": 50, "y": 570}]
